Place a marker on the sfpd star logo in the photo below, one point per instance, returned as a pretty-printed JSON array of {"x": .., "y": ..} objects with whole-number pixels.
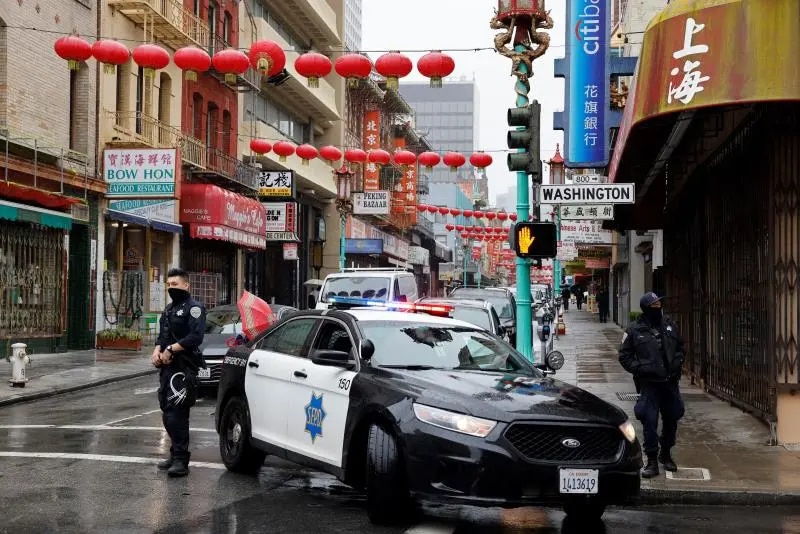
[{"x": 315, "y": 414}]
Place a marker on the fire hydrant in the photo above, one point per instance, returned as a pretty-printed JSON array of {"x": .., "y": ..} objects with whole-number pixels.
[{"x": 19, "y": 359}]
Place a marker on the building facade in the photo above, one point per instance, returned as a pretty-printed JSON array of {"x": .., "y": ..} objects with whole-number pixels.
[
  {"x": 50, "y": 188},
  {"x": 353, "y": 21}
]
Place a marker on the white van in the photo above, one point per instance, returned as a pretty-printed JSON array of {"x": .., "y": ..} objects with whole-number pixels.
[{"x": 385, "y": 284}]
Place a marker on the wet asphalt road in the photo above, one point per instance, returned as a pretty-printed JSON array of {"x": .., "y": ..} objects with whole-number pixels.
[{"x": 85, "y": 462}]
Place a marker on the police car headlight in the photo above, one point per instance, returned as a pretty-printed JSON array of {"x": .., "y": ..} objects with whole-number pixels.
[
  {"x": 457, "y": 422},
  {"x": 628, "y": 431}
]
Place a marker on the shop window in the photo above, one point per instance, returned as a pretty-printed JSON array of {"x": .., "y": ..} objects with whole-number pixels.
[{"x": 32, "y": 271}]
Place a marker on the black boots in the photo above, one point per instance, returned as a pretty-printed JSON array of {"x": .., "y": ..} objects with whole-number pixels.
[
  {"x": 666, "y": 459},
  {"x": 179, "y": 468},
  {"x": 651, "y": 469},
  {"x": 165, "y": 464}
]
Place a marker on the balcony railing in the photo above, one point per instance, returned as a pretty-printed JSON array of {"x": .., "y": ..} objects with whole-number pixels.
[
  {"x": 168, "y": 20},
  {"x": 231, "y": 168},
  {"x": 138, "y": 128},
  {"x": 193, "y": 152}
]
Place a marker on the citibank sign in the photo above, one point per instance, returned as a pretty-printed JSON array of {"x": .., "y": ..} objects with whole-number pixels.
[{"x": 587, "y": 29}]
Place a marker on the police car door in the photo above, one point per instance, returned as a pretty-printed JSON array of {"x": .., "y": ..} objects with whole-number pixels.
[
  {"x": 320, "y": 398},
  {"x": 268, "y": 378}
]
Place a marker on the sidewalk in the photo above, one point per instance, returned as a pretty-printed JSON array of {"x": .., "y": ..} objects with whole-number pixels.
[
  {"x": 722, "y": 453},
  {"x": 51, "y": 374}
]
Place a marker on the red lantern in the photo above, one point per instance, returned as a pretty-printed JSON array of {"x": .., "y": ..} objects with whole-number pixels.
[
  {"x": 283, "y": 149},
  {"x": 260, "y": 146},
  {"x": 73, "y": 49},
  {"x": 231, "y": 63},
  {"x": 460, "y": 227},
  {"x": 477, "y": 214},
  {"x": 378, "y": 156},
  {"x": 313, "y": 65},
  {"x": 469, "y": 228},
  {"x": 435, "y": 65},
  {"x": 429, "y": 159},
  {"x": 267, "y": 57},
  {"x": 512, "y": 216},
  {"x": 422, "y": 207},
  {"x": 433, "y": 209},
  {"x": 455, "y": 212},
  {"x": 502, "y": 216},
  {"x": 393, "y": 66},
  {"x": 490, "y": 215},
  {"x": 480, "y": 160},
  {"x": 306, "y": 153},
  {"x": 110, "y": 54},
  {"x": 454, "y": 160},
  {"x": 449, "y": 227},
  {"x": 443, "y": 210},
  {"x": 405, "y": 158},
  {"x": 151, "y": 58},
  {"x": 353, "y": 67},
  {"x": 467, "y": 213},
  {"x": 331, "y": 154},
  {"x": 192, "y": 60},
  {"x": 355, "y": 155}
]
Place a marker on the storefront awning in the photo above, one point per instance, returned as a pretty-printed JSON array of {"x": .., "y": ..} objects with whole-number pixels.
[
  {"x": 131, "y": 218},
  {"x": 214, "y": 213},
  {"x": 703, "y": 54},
  {"x": 12, "y": 211},
  {"x": 39, "y": 196}
]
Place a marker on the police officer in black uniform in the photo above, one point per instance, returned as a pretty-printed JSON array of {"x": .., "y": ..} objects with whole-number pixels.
[
  {"x": 652, "y": 351},
  {"x": 178, "y": 356}
]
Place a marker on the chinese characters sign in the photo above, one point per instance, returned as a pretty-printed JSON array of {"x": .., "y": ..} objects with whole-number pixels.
[
  {"x": 688, "y": 79},
  {"x": 587, "y": 99},
  {"x": 145, "y": 173},
  {"x": 276, "y": 184},
  {"x": 600, "y": 211},
  {"x": 372, "y": 140}
]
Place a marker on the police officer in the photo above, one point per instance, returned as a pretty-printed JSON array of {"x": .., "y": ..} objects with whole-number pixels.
[
  {"x": 177, "y": 355},
  {"x": 652, "y": 351}
]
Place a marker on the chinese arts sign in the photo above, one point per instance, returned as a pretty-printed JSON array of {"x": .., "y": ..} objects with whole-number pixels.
[
  {"x": 372, "y": 140},
  {"x": 587, "y": 100},
  {"x": 135, "y": 173}
]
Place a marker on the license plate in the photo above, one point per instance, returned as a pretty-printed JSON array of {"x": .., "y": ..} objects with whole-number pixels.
[
  {"x": 577, "y": 481},
  {"x": 204, "y": 373}
]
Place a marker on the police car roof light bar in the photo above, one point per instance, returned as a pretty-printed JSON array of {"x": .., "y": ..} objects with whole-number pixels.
[{"x": 341, "y": 303}]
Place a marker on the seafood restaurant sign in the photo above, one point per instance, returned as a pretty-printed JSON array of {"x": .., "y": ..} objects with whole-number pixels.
[{"x": 140, "y": 173}]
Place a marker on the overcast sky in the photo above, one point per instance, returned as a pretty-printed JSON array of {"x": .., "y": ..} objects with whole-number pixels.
[{"x": 464, "y": 24}]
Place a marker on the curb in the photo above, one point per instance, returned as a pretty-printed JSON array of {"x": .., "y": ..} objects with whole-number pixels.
[
  {"x": 70, "y": 389},
  {"x": 733, "y": 497}
]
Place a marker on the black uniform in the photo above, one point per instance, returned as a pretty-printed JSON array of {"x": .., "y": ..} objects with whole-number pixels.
[
  {"x": 181, "y": 323},
  {"x": 654, "y": 356}
]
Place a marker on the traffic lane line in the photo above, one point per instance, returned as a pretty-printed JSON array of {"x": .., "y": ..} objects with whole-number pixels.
[
  {"x": 97, "y": 427},
  {"x": 131, "y": 417},
  {"x": 101, "y": 458}
]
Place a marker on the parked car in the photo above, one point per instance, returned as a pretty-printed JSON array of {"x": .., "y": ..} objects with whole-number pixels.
[
  {"x": 222, "y": 327},
  {"x": 501, "y": 298},
  {"x": 377, "y": 284},
  {"x": 478, "y": 312}
]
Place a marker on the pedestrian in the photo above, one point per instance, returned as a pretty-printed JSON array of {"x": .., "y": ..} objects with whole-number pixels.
[
  {"x": 602, "y": 304},
  {"x": 565, "y": 295},
  {"x": 652, "y": 351},
  {"x": 177, "y": 355},
  {"x": 579, "y": 297}
]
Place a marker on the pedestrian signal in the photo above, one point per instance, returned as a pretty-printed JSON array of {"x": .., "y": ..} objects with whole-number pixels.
[{"x": 535, "y": 239}]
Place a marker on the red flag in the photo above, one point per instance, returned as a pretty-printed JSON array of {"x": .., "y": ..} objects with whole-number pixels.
[{"x": 256, "y": 315}]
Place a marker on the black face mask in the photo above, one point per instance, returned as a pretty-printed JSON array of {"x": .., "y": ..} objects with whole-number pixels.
[
  {"x": 177, "y": 294},
  {"x": 654, "y": 315}
]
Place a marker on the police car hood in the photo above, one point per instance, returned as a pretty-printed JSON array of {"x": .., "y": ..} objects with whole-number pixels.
[{"x": 509, "y": 397}]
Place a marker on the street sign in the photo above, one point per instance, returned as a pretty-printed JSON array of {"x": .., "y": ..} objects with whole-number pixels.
[
  {"x": 535, "y": 239},
  {"x": 586, "y": 211},
  {"x": 587, "y": 194},
  {"x": 586, "y": 179}
]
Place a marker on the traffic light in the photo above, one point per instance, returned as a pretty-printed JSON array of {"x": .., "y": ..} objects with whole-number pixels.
[
  {"x": 525, "y": 137},
  {"x": 535, "y": 239}
]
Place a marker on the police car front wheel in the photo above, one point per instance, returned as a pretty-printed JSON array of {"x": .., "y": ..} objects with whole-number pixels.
[
  {"x": 237, "y": 453},
  {"x": 388, "y": 500}
]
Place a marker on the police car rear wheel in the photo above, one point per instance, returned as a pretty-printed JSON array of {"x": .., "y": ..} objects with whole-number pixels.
[
  {"x": 237, "y": 453},
  {"x": 388, "y": 500}
]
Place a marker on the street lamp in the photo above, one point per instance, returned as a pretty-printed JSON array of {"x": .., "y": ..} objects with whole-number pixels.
[
  {"x": 557, "y": 177},
  {"x": 344, "y": 205}
]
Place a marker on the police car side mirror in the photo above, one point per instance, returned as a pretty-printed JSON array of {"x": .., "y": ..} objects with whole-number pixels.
[
  {"x": 367, "y": 349},
  {"x": 333, "y": 358}
]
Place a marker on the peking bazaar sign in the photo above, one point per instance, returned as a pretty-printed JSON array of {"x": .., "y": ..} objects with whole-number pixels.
[
  {"x": 372, "y": 140},
  {"x": 215, "y": 213}
]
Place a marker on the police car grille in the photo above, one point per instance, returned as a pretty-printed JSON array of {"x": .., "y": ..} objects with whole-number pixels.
[{"x": 544, "y": 443}]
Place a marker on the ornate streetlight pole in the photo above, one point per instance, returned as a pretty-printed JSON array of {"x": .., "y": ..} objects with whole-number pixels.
[
  {"x": 519, "y": 20},
  {"x": 344, "y": 205}
]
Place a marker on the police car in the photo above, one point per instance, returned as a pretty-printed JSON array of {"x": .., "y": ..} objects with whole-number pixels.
[{"x": 410, "y": 406}]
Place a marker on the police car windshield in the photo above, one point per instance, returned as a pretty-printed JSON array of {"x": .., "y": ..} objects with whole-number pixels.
[
  {"x": 414, "y": 344},
  {"x": 367, "y": 287}
]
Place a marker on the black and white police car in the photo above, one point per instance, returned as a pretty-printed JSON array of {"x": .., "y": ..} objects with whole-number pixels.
[{"x": 414, "y": 406}]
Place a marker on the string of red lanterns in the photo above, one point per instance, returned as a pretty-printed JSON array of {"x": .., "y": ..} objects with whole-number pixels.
[{"x": 266, "y": 57}]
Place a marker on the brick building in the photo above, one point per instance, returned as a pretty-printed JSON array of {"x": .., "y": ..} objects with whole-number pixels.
[{"x": 49, "y": 191}]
